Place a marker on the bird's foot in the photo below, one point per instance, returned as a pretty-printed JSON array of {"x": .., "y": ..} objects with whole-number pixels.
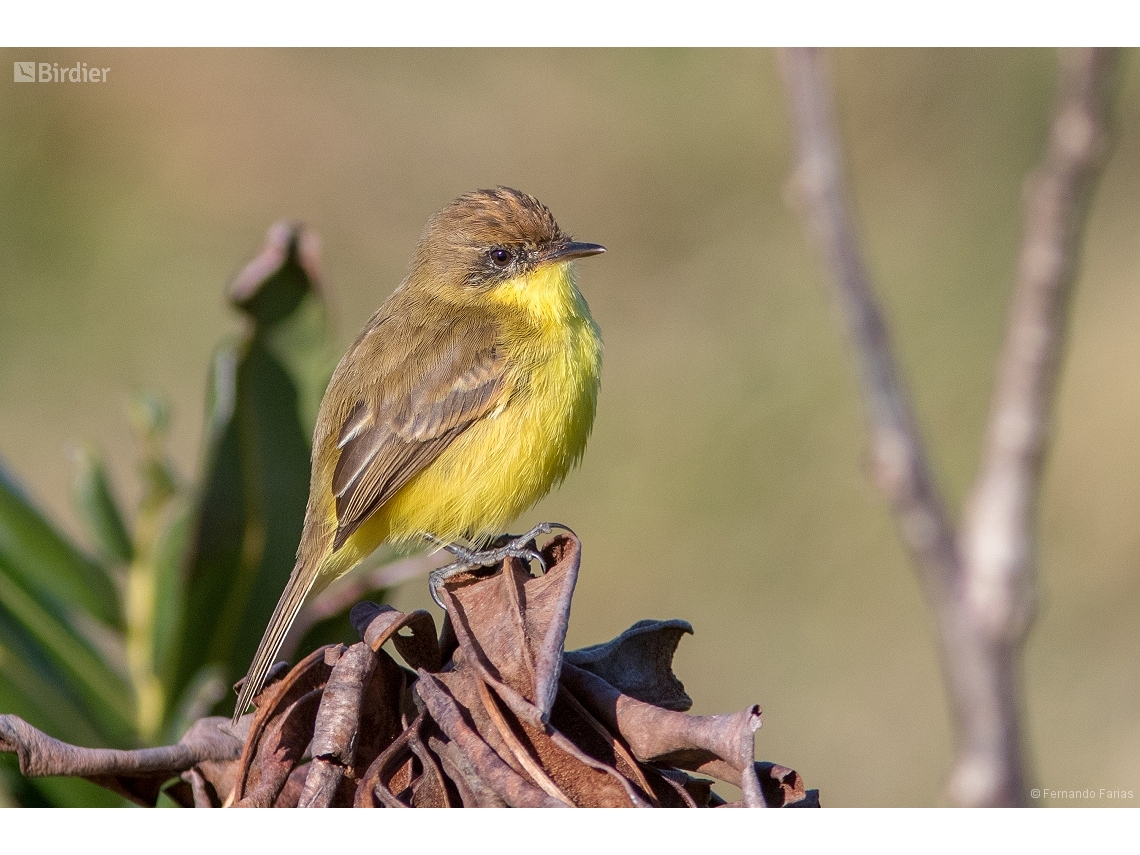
[{"x": 522, "y": 547}]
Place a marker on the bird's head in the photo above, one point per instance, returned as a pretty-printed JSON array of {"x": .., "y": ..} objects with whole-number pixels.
[{"x": 490, "y": 238}]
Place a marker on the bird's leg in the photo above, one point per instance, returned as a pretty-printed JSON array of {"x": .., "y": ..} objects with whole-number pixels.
[
  {"x": 472, "y": 559},
  {"x": 457, "y": 549}
]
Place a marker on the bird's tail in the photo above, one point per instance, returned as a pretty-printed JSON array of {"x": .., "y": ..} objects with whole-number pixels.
[{"x": 300, "y": 583}]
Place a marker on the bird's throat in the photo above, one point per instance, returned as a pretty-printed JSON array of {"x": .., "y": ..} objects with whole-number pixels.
[{"x": 547, "y": 294}]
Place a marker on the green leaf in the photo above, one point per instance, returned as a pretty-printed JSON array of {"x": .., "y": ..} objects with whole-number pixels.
[
  {"x": 244, "y": 531},
  {"x": 216, "y": 533},
  {"x": 150, "y": 417},
  {"x": 104, "y": 691},
  {"x": 95, "y": 503},
  {"x": 275, "y": 283},
  {"x": 53, "y": 792},
  {"x": 169, "y": 594},
  {"x": 203, "y": 693},
  {"x": 38, "y": 693},
  {"x": 76, "y": 792},
  {"x": 249, "y": 524},
  {"x": 300, "y": 343},
  {"x": 41, "y": 561},
  {"x": 153, "y": 580}
]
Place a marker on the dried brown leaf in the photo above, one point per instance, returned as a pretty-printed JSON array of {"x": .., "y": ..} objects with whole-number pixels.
[
  {"x": 277, "y": 753},
  {"x": 507, "y": 784},
  {"x": 495, "y": 715},
  {"x": 520, "y": 621},
  {"x": 378, "y": 624},
  {"x": 639, "y": 662}
]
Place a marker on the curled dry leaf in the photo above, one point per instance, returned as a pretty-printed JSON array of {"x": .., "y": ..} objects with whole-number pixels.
[
  {"x": 490, "y": 712},
  {"x": 639, "y": 662}
]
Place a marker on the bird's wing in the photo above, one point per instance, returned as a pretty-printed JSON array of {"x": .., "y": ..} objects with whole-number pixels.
[{"x": 449, "y": 379}]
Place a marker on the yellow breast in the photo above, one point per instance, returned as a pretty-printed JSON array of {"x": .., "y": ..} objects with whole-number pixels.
[{"x": 510, "y": 459}]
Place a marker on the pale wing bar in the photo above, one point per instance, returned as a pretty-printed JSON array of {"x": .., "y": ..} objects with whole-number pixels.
[{"x": 383, "y": 447}]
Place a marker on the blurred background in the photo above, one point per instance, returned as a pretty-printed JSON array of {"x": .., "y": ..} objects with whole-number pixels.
[{"x": 725, "y": 481}]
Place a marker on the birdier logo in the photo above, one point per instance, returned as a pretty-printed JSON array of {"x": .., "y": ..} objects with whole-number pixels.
[{"x": 51, "y": 72}]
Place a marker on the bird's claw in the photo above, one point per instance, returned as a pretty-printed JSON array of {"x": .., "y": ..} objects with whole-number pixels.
[{"x": 471, "y": 559}]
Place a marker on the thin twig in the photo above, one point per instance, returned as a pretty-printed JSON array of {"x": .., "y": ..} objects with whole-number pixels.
[{"x": 982, "y": 593}]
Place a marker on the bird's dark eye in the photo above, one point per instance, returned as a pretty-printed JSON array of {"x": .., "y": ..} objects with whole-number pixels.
[{"x": 501, "y": 257}]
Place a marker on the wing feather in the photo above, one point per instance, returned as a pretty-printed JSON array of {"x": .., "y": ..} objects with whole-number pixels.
[{"x": 403, "y": 423}]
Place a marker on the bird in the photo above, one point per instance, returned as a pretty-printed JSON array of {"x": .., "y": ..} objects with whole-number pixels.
[{"x": 469, "y": 394}]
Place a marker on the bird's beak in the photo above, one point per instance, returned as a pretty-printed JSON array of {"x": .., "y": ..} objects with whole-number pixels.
[{"x": 574, "y": 249}]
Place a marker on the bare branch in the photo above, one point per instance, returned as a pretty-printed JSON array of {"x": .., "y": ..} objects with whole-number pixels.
[
  {"x": 138, "y": 775},
  {"x": 982, "y": 590},
  {"x": 900, "y": 466},
  {"x": 997, "y": 536},
  {"x": 998, "y": 539},
  {"x": 41, "y": 755}
]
